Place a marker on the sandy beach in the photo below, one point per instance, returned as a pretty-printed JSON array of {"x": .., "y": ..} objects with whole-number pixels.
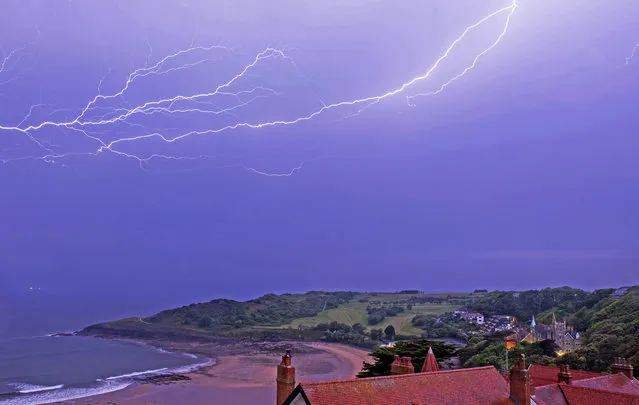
[{"x": 240, "y": 378}]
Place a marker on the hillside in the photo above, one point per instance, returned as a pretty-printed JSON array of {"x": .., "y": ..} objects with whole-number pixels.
[
  {"x": 613, "y": 331},
  {"x": 608, "y": 320},
  {"x": 351, "y": 317},
  {"x": 563, "y": 301}
]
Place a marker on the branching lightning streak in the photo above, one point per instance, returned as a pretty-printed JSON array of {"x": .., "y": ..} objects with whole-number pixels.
[
  {"x": 14, "y": 54},
  {"x": 372, "y": 99},
  {"x": 474, "y": 63},
  {"x": 146, "y": 71},
  {"x": 268, "y": 174},
  {"x": 635, "y": 50},
  {"x": 100, "y": 117}
]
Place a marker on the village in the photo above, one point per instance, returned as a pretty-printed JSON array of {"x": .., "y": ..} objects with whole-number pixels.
[{"x": 564, "y": 336}]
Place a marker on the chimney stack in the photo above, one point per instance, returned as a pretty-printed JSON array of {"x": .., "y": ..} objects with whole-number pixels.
[
  {"x": 521, "y": 385},
  {"x": 402, "y": 365},
  {"x": 285, "y": 378},
  {"x": 564, "y": 375},
  {"x": 623, "y": 366}
]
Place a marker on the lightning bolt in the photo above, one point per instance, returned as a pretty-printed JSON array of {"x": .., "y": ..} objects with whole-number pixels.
[
  {"x": 10, "y": 59},
  {"x": 268, "y": 174},
  {"x": 632, "y": 54},
  {"x": 105, "y": 114},
  {"x": 510, "y": 11}
]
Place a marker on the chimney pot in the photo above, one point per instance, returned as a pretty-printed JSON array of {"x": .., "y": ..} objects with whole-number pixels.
[
  {"x": 521, "y": 385},
  {"x": 285, "y": 378},
  {"x": 402, "y": 365},
  {"x": 623, "y": 366},
  {"x": 564, "y": 375}
]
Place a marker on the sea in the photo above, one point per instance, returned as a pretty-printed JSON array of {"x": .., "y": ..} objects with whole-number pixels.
[{"x": 37, "y": 367}]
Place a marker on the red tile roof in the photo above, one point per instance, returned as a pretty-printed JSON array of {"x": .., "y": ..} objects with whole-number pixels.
[
  {"x": 430, "y": 364},
  {"x": 588, "y": 396},
  {"x": 549, "y": 395},
  {"x": 611, "y": 382},
  {"x": 473, "y": 386},
  {"x": 545, "y": 375},
  {"x": 603, "y": 390}
]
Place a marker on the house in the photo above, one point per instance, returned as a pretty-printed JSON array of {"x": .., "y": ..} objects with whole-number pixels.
[
  {"x": 498, "y": 323},
  {"x": 619, "y": 292},
  {"x": 470, "y": 316},
  {"x": 477, "y": 386},
  {"x": 618, "y": 388}
]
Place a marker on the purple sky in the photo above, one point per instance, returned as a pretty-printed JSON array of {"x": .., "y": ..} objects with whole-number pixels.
[{"x": 521, "y": 174}]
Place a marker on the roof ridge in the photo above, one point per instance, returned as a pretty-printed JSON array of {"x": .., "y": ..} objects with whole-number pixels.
[
  {"x": 598, "y": 376},
  {"x": 397, "y": 376},
  {"x": 576, "y": 370},
  {"x": 545, "y": 366}
]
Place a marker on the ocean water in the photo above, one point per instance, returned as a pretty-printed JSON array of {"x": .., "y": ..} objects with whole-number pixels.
[{"x": 40, "y": 370}]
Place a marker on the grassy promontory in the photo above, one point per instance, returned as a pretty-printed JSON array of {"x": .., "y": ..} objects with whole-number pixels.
[
  {"x": 346, "y": 317},
  {"x": 607, "y": 319}
]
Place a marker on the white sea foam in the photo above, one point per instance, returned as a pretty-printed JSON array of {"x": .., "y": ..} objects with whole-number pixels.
[
  {"x": 32, "y": 388},
  {"x": 66, "y": 394},
  {"x": 192, "y": 356},
  {"x": 137, "y": 374},
  {"x": 193, "y": 367}
]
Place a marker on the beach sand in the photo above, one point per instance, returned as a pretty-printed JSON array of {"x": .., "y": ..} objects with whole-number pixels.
[{"x": 240, "y": 378}]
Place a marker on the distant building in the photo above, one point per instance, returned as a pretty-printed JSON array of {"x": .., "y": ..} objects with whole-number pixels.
[
  {"x": 498, "y": 323},
  {"x": 564, "y": 336},
  {"x": 619, "y": 292},
  {"x": 470, "y": 316}
]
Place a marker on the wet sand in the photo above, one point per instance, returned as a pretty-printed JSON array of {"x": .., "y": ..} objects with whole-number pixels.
[{"x": 240, "y": 379}]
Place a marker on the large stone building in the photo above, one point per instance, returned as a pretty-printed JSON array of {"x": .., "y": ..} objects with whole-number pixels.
[
  {"x": 564, "y": 336},
  {"x": 532, "y": 385}
]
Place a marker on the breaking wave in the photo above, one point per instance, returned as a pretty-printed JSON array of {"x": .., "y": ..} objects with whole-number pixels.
[
  {"x": 31, "y": 396},
  {"x": 137, "y": 374},
  {"x": 31, "y": 388}
]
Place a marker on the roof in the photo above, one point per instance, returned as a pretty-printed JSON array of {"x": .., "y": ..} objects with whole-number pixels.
[
  {"x": 473, "y": 386},
  {"x": 545, "y": 375},
  {"x": 430, "y": 364},
  {"x": 601, "y": 390},
  {"x": 611, "y": 382},
  {"x": 587, "y": 396},
  {"x": 562, "y": 394},
  {"x": 549, "y": 395},
  {"x": 541, "y": 328}
]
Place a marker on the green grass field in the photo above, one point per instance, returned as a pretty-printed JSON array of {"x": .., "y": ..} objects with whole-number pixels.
[{"x": 355, "y": 312}]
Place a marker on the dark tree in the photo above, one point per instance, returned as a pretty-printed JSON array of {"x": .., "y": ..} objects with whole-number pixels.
[
  {"x": 549, "y": 347},
  {"x": 205, "y": 322},
  {"x": 376, "y": 334},
  {"x": 359, "y": 328},
  {"x": 415, "y": 349},
  {"x": 390, "y": 332}
]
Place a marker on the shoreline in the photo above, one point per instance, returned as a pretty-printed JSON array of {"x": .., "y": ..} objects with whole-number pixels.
[
  {"x": 70, "y": 393},
  {"x": 241, "y": 373}
]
